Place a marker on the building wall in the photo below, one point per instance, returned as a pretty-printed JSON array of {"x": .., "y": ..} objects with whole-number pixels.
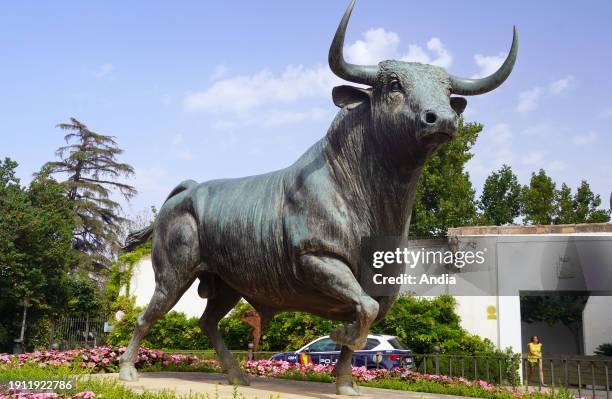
[
  {"x": 475, "y": 317},
  {"x": 556, "y": 338},
  {"x": 597, "y": 323},
  {"x": 142, "y": 286}
]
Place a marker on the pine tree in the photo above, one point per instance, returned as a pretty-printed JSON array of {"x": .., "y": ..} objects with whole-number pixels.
[{"x": 89, "y": 162}]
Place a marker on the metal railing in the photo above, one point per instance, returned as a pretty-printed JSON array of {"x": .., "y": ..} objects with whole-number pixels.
[
  {"x": 580, "y": 374},
  {"x": 76, "y": 332}
]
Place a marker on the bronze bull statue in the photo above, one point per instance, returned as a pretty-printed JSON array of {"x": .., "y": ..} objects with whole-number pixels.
[{"x": 289, "y": 240}]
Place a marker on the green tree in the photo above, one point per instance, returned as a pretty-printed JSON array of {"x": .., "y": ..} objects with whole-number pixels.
[
  {"x": 445, "y": 196},
  {"x": 35, "y": 249},
  {"x": 423, "y": 323},
  {"x": 553, "y": 309},
  {"x": 538, "y": 199},
  {"x": 579, "y": 208},
  {"x": 292, "y": 330},
  {"x": 565, "y": 206},
  {"x": 500, "y": 201},
  {"x": 89, "y": 162},
  {"x": 84, "y": 298},
  {"x": 586, "y": 204}
]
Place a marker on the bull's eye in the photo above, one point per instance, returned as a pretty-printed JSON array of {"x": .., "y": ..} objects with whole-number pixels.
[{"x": 394, "y": 85}]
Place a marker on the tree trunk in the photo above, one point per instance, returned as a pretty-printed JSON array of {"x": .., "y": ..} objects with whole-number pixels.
[
  {"x": 23, "y": 321},
  {"x": 577, "y": 341}
]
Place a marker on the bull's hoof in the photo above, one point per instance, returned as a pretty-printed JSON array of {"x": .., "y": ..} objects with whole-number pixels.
[
  {"x": 349, "y": 388},
  {"x": 128, "y": 372},
  {"x": 238, "y": 378}
]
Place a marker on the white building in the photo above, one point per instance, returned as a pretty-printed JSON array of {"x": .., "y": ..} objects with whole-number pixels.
[
  {"x": 532, "y": 260},
  {"x": 519, "y": 260}
]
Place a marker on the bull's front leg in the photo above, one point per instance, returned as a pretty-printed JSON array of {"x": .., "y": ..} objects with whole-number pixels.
[{"x": 335, "y": 279}]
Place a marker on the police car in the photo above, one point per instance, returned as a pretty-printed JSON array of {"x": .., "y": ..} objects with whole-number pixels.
[{"x": 383, "y": 351}]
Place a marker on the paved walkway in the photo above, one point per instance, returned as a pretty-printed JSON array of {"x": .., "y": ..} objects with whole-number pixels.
[{"x": 261, "y": 388}]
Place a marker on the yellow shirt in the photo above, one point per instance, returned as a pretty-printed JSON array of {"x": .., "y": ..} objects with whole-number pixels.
[{"x": 535, "y": 351}]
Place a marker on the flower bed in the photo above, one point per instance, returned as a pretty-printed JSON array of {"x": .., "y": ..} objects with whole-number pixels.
[
  {"x": 105, "y": 359},
  {"x": 397, "y": 378}
]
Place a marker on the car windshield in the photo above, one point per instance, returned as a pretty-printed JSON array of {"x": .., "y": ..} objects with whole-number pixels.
[
  {"x": 323, "y": 345},
  {"x": 397, "y": 344},
  {"x": 371, "y": 344}
]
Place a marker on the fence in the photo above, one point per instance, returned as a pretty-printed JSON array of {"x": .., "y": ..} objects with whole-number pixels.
[
  {"x": 75, "y": 332},
  {"x": 580, "y": 374}
]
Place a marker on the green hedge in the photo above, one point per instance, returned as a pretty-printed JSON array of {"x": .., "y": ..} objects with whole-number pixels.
[{"x": 421, "y": 323}]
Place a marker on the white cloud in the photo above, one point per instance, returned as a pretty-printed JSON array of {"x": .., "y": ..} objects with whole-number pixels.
[
  {"x": 244, "y": 93},
  {"x": 559, "y": 86},
  {"x": 586, "y": 138},
  {"x": 104, "y": 70},
  {"x": 556, "y": 166},
  {"x": 279, "y": 117},
  {"x": 442, "y": 57},
  {"x": 219, "y": 72},
  {"x": 607, "y": 113},
  {"x": 249, "y": 98},
  {"x": 378, "y": 45},
  {"x": 500, "y": 133},
  {"x": 488, "y": 64},
  {"x": 274, "y": 117},
  {"x": 181, "y": 150},
  {"x": 533, "y": 158},
  {"x": 494, "y": 148},
  {"x": 499, "y": 147},
  {"x": 537, "y": 130},
  {"x": 529, "y": 99},
  {"x": 153, "y": 183}
]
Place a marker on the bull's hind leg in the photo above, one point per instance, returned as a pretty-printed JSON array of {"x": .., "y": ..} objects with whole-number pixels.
[
  {"x": 224, "y": 298},
  {"x": 334, "y": 278},
  {"x": 175, "y": 259}
]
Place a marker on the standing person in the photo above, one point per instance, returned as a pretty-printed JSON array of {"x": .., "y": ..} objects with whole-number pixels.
[{"x": 534, "y": 358}]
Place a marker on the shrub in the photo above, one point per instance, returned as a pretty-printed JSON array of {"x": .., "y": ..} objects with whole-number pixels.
[
  {"x": 172, "y": 331},
  {"x": 423, "y": 323},
  {"x": 604, "y": 349}
]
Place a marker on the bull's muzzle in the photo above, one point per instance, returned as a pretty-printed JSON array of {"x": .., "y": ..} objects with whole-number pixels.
[{"x": 433, "y": 123}]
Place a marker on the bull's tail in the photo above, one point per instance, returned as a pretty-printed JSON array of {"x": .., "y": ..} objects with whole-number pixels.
[{"x": 138, "y": 237}]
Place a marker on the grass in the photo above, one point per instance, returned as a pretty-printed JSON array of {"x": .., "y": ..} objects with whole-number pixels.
[{"x": 102, "y": 387}]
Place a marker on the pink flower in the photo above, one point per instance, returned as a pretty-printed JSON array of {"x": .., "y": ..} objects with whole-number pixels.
[{"x": 85, "y": 395}]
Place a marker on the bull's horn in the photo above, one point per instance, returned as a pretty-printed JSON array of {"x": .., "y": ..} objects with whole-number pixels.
[
  {"x": 472, "y": 87},
  {"x": 365, "y": 74}
]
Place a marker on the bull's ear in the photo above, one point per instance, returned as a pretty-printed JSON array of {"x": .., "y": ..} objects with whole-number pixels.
[
  {"x": 350, "y": 96},
  {"x": 458, "y": 104}
]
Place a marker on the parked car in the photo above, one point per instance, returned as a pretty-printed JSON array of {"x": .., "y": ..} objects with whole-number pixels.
[{"x": 388, "y": 350}]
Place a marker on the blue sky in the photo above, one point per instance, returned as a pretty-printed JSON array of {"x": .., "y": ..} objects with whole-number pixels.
[{"x": 205, "y": 90}]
